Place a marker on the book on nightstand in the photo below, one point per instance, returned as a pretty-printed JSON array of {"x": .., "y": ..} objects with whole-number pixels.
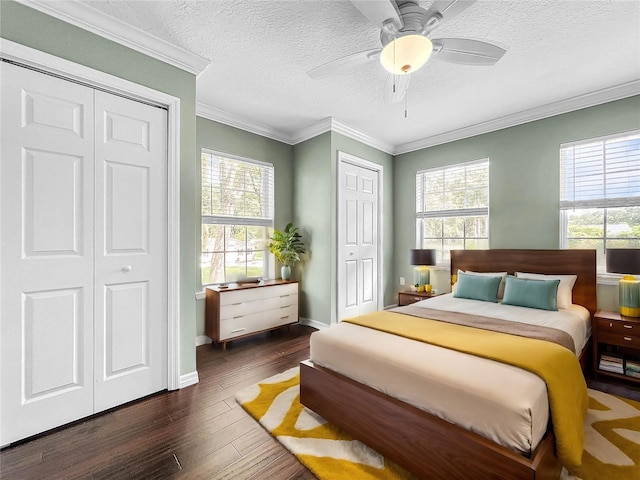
[
  {"x": 632, "y": 368},
  {"x": 610, "y": 362}
]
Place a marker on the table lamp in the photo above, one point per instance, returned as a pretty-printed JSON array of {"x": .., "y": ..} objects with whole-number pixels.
[
  {"x": 421, "y": 259},
  {"x": 626, "y": 261}
]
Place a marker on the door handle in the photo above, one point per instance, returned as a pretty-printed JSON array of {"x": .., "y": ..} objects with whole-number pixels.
[{"x": 127, "y": 269}]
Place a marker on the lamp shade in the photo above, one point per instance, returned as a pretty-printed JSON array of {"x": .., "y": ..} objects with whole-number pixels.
[
  {"x": 623, "y": 260},
  {"x": 406, "y": 54},
  {"x": 422, "y": 257}
]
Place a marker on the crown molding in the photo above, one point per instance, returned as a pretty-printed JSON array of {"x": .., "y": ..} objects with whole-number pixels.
[
  {"x": 579, "y": 102},
  {"x": 237, "y": 121},
  {"x": 312, "y": 130},
  {"x": 88, "y": 18},
  {"x": 362, "y": 137}
]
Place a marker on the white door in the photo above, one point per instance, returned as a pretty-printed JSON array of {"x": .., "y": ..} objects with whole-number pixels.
[
  {"x": 358, "y": 240},
  {"x": 131, "y": 250},
  {"x": 48, "y": 261}
]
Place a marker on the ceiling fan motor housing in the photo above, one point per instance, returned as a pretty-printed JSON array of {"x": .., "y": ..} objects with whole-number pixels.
[{"x": 413, "y": 22}]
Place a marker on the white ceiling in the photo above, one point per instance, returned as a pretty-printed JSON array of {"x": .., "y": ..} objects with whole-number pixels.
[{"x": 261, "y": 50}]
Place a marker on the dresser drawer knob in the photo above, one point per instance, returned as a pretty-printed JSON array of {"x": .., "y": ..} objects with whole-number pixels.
[
  {"x": 628, "y": 326},
  {"x": 238, "y": 330},
  {"x": 286, "y": 316},
  {"x": 628, "y": 339}
]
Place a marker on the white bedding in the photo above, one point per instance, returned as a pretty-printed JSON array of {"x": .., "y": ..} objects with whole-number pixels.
[{"x": 501, "y": 402}]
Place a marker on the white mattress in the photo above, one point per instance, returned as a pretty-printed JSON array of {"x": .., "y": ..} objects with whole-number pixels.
[{"x": 498, "y": 401}]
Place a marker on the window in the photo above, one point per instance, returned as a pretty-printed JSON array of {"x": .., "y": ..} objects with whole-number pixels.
[
  {"x": 600, "y": 193},
  {"x": 452, "y": 208},
  {"x": 237, "y": 211}
]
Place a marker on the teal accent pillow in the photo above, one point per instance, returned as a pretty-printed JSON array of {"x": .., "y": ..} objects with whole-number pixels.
[
  {"x": 541, "y": 294},
  {"x": 477, "y": 287}
]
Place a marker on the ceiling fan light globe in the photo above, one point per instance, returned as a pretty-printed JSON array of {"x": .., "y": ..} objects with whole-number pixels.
[{"x": 406, "y": 54}]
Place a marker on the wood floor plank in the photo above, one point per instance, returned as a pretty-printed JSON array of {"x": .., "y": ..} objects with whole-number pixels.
[{"x": 197, "y": 432}]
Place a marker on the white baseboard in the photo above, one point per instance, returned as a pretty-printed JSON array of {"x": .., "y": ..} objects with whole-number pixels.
[
  {"x": 202, "y": 340},
  {"x": 189, "y": 379},
  {"x": 313, "y": 323}
]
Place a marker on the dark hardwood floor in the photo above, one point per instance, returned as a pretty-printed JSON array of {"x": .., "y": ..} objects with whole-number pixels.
[{"x": 199, "y": 432}]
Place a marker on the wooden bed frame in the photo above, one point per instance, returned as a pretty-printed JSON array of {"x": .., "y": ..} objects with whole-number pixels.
[{"x": 424, "y": 444}]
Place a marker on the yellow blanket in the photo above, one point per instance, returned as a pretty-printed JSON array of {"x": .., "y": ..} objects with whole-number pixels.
[{"x": 556, "y": 365}]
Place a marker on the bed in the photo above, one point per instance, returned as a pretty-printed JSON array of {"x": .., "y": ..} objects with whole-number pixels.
[{"x": 420, "y": 436}]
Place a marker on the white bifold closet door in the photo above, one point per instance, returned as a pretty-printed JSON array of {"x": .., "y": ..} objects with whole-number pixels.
[{"x": 83, "y": 259}]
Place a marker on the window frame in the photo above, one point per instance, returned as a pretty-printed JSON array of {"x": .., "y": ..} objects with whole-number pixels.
[
  {"x": 464, "y": 212},
  {"x": 267, "y": 221},
  {"x": 602, "y": 203}
]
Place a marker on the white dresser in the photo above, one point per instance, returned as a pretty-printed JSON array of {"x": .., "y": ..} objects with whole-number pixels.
[{"x": 245, "y": 309}]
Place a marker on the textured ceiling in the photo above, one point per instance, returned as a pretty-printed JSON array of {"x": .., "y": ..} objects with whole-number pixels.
[{"x": 261, "y": 50}]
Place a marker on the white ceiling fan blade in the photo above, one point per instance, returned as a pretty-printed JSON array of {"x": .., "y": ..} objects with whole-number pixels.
[
  {"x": 401, "y": 82},
  {"x": 466, "y": 52},
  {"x": 448, "y": 9},
  {"x": 345, "y": 64},
  {"x": 379, "y": 12}
]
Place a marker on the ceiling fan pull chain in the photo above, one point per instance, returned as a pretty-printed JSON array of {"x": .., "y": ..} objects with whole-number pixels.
[{"x": 406, "y": 101}]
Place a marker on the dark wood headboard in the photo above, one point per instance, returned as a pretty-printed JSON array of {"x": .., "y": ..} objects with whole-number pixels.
[{"x": 551, "y": 262}]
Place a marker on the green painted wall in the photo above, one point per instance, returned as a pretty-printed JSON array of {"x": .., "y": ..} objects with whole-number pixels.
[
  {"x": 312, "y": 195},
  {"x": 524, "y": 178},
  {"x": 29, "y": 27},
  {"x": 225, "y": 139}
]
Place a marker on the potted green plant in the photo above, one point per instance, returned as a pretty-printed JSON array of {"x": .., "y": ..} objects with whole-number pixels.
[{"x": 287, "y": 246}]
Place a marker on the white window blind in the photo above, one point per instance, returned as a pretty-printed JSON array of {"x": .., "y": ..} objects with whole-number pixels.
[
  {"x": 236, "y": 191},
  {"x": 602, "y": 172},
  {"x": 457, "y": 190}
]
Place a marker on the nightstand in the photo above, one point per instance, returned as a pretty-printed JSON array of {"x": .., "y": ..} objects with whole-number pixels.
[
  {"x": 617, "y": 337},
  {"x": 407, "y": 298}
]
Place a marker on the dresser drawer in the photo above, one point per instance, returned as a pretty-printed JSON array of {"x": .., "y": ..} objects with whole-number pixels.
[
  {"x": 281, "y": 290},
  {"x": 620, "y": 339},
  {"x": 280, "y": 316},
  {"x": 240, "y": 309},
  {"x": 240, "y": 296},
  {"x": 280, "y": 301},
  {"x": 621, "y": 327},
  {"x": 235, "y": 327}
]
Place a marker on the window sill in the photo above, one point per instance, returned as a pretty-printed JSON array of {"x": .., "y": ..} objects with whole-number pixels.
[{"x": 201, "y": 295}]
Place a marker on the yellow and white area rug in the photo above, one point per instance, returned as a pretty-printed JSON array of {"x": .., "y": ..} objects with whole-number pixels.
[{"x": 612, "y": 436}]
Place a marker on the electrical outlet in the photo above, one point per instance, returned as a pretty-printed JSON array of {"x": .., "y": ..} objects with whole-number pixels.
[{"x": 401, "y": 280}]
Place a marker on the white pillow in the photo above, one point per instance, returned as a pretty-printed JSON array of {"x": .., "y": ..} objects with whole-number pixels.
[
  {"x": 565, "y": 297},
  {"x": 490, "y": 274}
]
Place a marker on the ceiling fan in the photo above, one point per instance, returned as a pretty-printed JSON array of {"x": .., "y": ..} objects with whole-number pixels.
[{"x": 405, "y": 34}]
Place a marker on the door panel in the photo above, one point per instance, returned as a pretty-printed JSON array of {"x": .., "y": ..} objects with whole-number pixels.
[
  {"x": 127, "y": 328},
  {"x": 127, "y": 208},
  {"x": 47, "y": 315},
  {"x": 46, "y": 259},
  {"x": 52, "y": 183},
  {"x": 131, "y": 251}
]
